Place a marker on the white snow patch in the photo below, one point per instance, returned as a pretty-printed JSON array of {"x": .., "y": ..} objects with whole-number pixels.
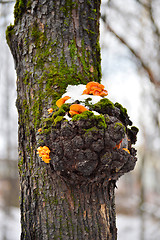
[
  {"x": 67, "y": 117},
  {"x": 76, "y": 91},
  {"x": 95, "y": 113}
]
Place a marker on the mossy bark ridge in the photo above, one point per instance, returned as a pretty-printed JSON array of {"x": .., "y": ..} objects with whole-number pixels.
[{"x": 56, "y": 43}]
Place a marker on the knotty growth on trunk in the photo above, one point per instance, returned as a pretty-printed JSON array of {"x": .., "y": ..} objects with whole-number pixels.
[{"x": 56, "y": 43}]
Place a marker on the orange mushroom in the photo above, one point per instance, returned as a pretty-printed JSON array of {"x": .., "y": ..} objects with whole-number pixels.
[
  {"x": 40, "y": 130},
  {"x": 86, "y": 91},
  {"x": 96, "y": 92},
  {"x": 96, "y": 89},
  {"x": 72, "y": 113},
  {"x": 118, "y": 146},
  {"x": 125, "y": 149},
  {"x": 50, "y": 110},
  {"x": 91, "y": 84},
  {"x": 101, "y": 86},
  {"x": 104, "y": 93},
  {"x": 77, "y": 109},
  {"x": 44, "y": 153},
  {"x": 61, "y": 101}
]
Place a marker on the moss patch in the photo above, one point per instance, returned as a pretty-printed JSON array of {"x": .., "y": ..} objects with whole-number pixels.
[
  {"x": 20, "y": 8},
  {"x": 58, "y": 119},
  {"x": 89, "y": 116},
  {"x": 9, "y": 32},
  {"x": 122, "y": 109},
  {"x": 123, "y": 114},
  {"x": 119, "y": 126},
  {"x": 61, "y": 111},
  {"x": 83, "y": 116},
  {"x": 103, "y": 106},
  {"x": 92, "y": 129},
  {"x": 52, "y": 120}
]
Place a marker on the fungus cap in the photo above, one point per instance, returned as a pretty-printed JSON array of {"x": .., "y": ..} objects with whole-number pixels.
[{"x": 61, "y": 101}]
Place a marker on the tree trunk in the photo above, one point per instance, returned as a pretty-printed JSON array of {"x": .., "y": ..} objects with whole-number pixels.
[{"x": 56, "y": 43}]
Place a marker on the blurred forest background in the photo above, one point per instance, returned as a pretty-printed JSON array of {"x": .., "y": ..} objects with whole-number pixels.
[{"x": 130, "y": 44}]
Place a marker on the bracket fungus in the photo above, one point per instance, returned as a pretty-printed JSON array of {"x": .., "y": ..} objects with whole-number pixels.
[{"x": 87, "y": 147}]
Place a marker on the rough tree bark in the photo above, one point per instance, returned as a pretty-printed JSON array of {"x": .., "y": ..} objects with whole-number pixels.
[{"x": 56, "y": 43}]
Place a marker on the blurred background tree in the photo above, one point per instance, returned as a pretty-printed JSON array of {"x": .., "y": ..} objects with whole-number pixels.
[
  {"x": 130, "y": 42},
  {"x": 133, "y": 29}
]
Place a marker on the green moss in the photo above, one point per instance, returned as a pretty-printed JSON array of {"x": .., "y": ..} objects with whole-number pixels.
[
  {"x": 122, "y": 109},
  {"x": 73, "y": 50},
  {"x": 98, "y": 57},
  {"x": 103, "y": 105},
  {"x": 101, "y": 121},
  {"x": 58, "y": 119},
  {"x": 20, "y": 164},
  {"x": 28, "y": 148},
  {"x": 91, "y": 18},
  {"x": 107, "y": 119},
  {"x": 88, "y": 115},
  {"x": 93, "y": 130},
  {"x": 89, "y": 31},
  {"x": 135, "y": 129},
  {"x": 56, "y": 74},
  {"x": 35, "y": 33},
  {"x": 37, "y": 36},
  {"x": 83, "y": 116},
  {"x": 20, "y": 8},
  {"x": 87, "y": 103},
  {"x": 26, "y": 78},
  {"x": 36, "y": 109},
  {"x": 26, "y": 116},
  {"x": 55, "y": 200},
  {"x": 119, "y": 126},
  {"x": 29, "y": 3},
  {"x": 9, "y": 32},
  {"x": 40, "y": 142},
  {"x": 67, "y": 7},
  {"x": 61, "y": 111}
]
